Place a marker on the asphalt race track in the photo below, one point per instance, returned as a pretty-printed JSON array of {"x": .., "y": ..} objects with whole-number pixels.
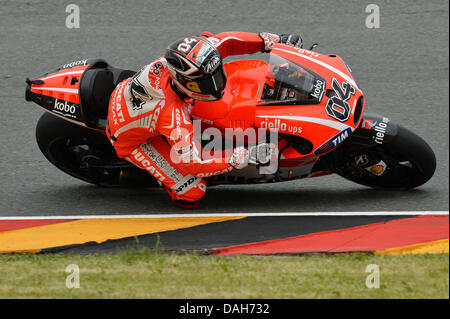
[{"x": 402, "y": 67}]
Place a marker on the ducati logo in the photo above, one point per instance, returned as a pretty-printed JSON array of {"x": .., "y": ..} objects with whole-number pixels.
[{"x": 337, "y": 106}]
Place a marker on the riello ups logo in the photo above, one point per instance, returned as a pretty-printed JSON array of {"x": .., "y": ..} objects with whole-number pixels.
[{"x": 381, "y": 128}]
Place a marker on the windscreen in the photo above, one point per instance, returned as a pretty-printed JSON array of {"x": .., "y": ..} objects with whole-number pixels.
[{"x": 290, "y": 83}]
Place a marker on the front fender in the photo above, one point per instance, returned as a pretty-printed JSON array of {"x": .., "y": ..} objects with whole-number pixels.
[{"x": 374, "y": 129}]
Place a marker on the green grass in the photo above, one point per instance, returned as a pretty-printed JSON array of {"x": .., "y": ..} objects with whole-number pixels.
[{"x": 146, "y": 274}]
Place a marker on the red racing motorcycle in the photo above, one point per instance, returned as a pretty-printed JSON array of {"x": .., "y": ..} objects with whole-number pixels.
[{"x": 310, "y": 100}]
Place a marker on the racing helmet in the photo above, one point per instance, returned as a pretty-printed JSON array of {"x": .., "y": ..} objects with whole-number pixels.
[{"x": 196, "y": 68}]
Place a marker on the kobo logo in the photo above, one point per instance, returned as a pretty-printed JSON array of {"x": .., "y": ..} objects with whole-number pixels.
[
  {"x": 65, "y": 107},
  {"x": 319, "y": 89}
]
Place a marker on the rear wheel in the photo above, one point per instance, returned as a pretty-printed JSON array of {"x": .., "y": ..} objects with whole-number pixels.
[
  {"x": 407, "y": 161},
  {"x": 84, "y": 153}
]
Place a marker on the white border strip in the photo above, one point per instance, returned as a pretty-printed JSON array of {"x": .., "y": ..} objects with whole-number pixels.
[
  {"x": 280, "y": 214},
  {"x": 61, "y": 74},
  {"x": 55, "y": 89}
]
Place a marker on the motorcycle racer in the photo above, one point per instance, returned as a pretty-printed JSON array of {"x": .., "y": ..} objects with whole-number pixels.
[{"x": 149, "y": 120}]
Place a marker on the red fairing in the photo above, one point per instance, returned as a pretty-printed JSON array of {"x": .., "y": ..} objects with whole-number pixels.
[
  {"x": 242, "y": 105},
  {"x": 64, "y": 83},
  {"x": 58, "y": 91}
]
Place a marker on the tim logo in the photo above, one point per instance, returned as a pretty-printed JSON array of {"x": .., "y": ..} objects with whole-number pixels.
[
  {"x": 337, "y": 106},
  {"x": 368, "y": 124},
  {"x": 333, "y": 142}
]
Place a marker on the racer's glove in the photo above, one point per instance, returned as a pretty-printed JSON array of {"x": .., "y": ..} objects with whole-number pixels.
[
  {"x": 270, "y": 39},
  {"x": 240, "y": 157},
  {"x": 261, "y": 153},
  {"x": 291, "y": 39},
  {"x": 258, "y": 154}
]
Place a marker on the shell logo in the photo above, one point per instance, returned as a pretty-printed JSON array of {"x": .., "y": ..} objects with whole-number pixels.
[{"x": 377, "y": 169}]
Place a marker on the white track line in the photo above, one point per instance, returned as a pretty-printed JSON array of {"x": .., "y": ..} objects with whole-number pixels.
[{"x": 281, "y": 214}]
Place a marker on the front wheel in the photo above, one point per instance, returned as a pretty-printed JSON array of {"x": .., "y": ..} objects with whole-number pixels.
[{"x": 405, "y": 161}]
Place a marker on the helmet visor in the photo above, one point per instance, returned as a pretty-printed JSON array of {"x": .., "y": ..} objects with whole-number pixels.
[{"x": 207, "y": 84}]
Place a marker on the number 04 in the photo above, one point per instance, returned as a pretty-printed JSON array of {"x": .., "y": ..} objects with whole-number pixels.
[{"x": 186, "y": 45}]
